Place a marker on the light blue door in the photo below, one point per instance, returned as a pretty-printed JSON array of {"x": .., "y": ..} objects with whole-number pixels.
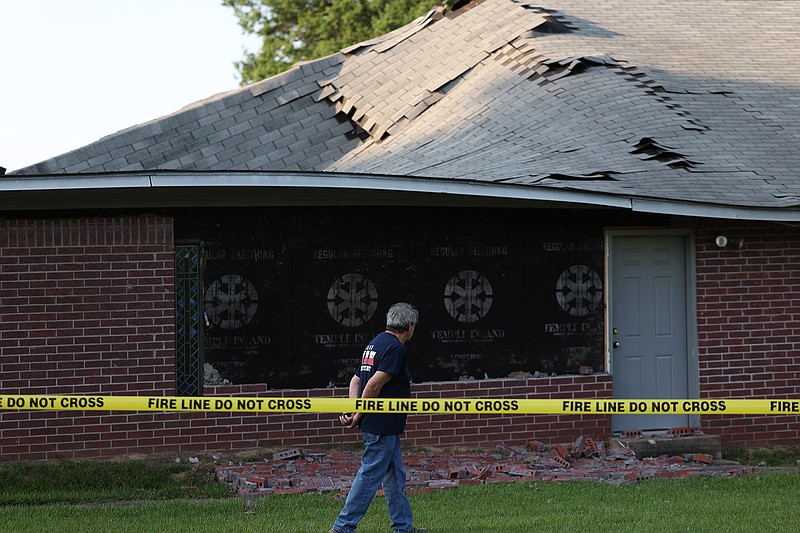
[{"x": 648, "y": 313}]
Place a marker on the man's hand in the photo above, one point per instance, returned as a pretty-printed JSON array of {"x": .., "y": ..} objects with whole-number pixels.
[{"x": 350, "y": 420}]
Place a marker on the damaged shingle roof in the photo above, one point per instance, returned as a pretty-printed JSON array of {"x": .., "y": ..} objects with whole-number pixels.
[{"x": 665, "y": 100}]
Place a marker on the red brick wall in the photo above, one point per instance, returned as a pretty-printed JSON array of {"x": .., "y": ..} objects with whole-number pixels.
[
  {"x": 87, "y": 307},
  {"x": 748, "y": 306}
]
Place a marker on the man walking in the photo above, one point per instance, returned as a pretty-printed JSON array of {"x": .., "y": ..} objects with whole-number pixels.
[{"x": 382, "y": 374}]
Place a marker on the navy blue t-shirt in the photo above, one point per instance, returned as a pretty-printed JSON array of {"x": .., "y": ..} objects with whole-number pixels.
[{"x": 387, "y": 354}]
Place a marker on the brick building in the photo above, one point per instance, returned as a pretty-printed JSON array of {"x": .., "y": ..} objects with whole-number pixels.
[{"x": 583, "y": 202}]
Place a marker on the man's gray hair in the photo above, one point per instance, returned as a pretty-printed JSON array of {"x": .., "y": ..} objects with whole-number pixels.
[{"x": 401, "y": 316}]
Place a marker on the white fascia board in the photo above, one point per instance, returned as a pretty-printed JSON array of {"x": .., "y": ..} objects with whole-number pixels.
[
  {"x": 387, "y": 183},
  {"x": 715, "y": 211},
  {"x": 72, "y": 182},
  {"x": 320, "y": 180}
]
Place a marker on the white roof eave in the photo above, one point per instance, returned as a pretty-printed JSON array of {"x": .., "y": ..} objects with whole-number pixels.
[{"x": 321, "y": 180}]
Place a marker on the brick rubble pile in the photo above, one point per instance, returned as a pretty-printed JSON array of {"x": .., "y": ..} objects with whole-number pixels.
[{"x": 303, "y": 471}]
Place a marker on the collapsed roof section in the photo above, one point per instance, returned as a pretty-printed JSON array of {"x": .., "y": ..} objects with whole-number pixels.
[{"x": 571, "y": 96}]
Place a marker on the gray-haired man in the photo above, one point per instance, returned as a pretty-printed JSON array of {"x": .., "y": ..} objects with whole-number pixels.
[{"x": 382, "y": 374}]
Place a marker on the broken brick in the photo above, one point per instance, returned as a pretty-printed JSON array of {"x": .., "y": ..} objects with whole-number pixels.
[
  {"x": 561, "y": 451},
  {"x": 504, "y": 479},
  {"x": 536, "y": 446},
  {"x": 473, "y": 470},
  {"x": 487, "y": 472},
  {"x": 561, "y": 461},
  {"x": 458, "y": 473},
  {"x": 700, "y": 458},
  {"x": 288, "y": 454},
  {"x": 443, "y": 484},
  {"x": 522, "y": 472},
  {"x": 419, "y": 490},
  {"x": 591, "y": 448},
  {"x": 683, "y": 431},
  {"x": 579, "y": 448},
  {"x": 505, "y": 448},
  {"x": 617, "y": 449}
]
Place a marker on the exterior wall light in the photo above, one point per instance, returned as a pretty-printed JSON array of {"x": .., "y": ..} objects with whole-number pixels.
[{"x": 722, "y": 241}]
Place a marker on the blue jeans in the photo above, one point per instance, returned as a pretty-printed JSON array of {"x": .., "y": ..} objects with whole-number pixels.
[{"x": 382, "y": 462}]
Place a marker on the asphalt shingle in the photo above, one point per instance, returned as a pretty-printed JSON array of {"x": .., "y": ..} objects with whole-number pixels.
[{"x": 677, "y": 99}]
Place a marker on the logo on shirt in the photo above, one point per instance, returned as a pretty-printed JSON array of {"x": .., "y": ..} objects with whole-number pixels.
[{"x": 368, "y": 359}]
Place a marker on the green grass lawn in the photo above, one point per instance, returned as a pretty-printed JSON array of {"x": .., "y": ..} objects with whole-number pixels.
[
  {"x": 184, "y": 499},
  {"x": 28, "y": 483}
]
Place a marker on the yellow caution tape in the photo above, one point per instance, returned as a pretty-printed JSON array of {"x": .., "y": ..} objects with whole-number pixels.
[{"x": 505, "y": 406}]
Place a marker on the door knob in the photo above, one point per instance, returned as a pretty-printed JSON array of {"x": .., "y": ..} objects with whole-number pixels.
[{"x": 615, "y": 345}]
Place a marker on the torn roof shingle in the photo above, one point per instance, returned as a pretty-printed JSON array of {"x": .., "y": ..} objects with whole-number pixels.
[{"x": 669, "y": 100}]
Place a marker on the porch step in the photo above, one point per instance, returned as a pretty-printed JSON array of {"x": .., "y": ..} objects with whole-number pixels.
[{"x": 658, "y": 445}]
